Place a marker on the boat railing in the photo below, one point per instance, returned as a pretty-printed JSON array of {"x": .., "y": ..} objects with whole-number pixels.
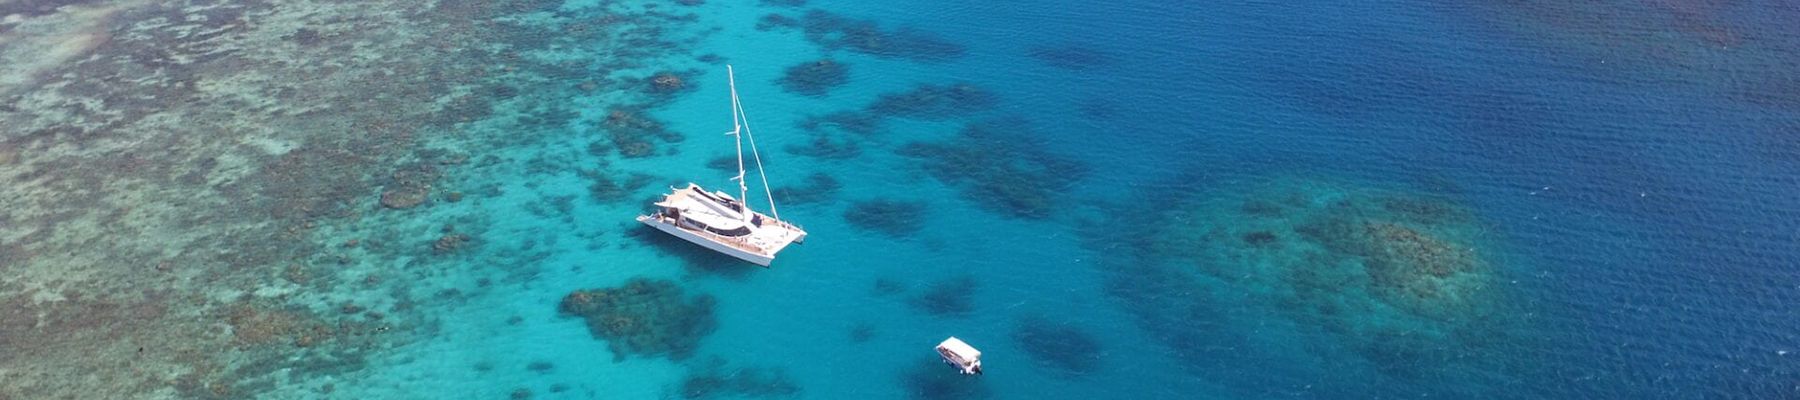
[
  {"x": 736, "y": 242},
  {"x": 786, "y": 224}
]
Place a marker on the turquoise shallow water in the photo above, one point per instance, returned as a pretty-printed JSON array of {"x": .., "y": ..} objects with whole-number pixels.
[{"x": 1626, "y": 191}]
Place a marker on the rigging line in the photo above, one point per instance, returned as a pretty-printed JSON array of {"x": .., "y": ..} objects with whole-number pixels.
[{"x": 767, "y": 192}]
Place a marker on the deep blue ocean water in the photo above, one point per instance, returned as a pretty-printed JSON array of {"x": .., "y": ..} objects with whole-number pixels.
[{"x": 1631, "y": 168}]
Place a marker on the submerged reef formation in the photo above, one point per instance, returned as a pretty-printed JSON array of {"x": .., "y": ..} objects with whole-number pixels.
[
  {"x": 928, "y": 101},
  {"x": 954, "y": 297},
  {"x": 644, "y": 317},
  {"x": 1397, "y": 282},
  {"x": 862, "y": 332},
  {"x": 724, "y": 163},
  {"x": 716, "y": 378},
  {"x": 862, "y": 123},
  {"x": 1058, "y": 345},
  {"x": 815, "y": 78},
  {"x": 817, "y": 187},
  {"x": 606, "y": 189},
  {"x": 834, "y": 32},
  {"x": 932, "y": 380},
  {"x": 635, "y": 134},
  {"x": 998, "y": 167},
  {"x": 896, "y": 218},
  {"x": 888, "y": 286},
  {"x": 826, "y": 146},
  {"x": 670, "y": 83},
  {"x": 783, "y": 3},
  {"x": 274, "y": 171}
]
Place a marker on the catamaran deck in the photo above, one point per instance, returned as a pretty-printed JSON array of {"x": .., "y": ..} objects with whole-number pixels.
[
  {"x": 720, "y": 219},
  {"x": 719, "y": 222}
]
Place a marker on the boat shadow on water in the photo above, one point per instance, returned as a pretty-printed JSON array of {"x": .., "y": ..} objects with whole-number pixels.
[
  {"x": 933, "y": 380},
  {"x": 698, "y": 261}
]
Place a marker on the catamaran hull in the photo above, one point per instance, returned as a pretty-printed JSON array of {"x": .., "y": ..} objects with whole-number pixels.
[{"x": 709, "y": 244}]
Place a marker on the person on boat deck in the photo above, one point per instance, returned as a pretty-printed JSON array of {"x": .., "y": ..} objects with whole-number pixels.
[{"x": 977, "y": 370}]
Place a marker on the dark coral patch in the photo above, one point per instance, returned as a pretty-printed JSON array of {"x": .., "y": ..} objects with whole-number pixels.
[
  {"x": 1393, "y": 278},
  {"x": 928, "y": 101},
  {"x": 716, "y": 378},
  {"x": 405, "y": 196},
  {"x": 932, "y": 380},
  {"x": 815, "y": 78},
  {"x": 776, "y": 21},
  {"x": 1058, "y": 345},
  {"x": 635, "y": 134},
  {"x": 834, "y": 32},
  {"x": 1261, "y": 238},
  {"x": 826, "y": 146},
  {"x": 644, "y": 317},
  {"x": 608, "y": 190},
  {"x": 888, "y": 286},
  {"x": 849, "y": 121},
  {"x": 951, "y": 298},
  {"x": 818, "y": 187},
  {"x": 998, "y": 167},
  {"x": 669, "y": 83},
  {"x": 862, "y": 332},
  {"x": 895, "y": 218},
  {"x": 723, "y": 163}
]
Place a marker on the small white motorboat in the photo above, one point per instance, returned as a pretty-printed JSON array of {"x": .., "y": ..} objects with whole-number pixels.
[{"x": 961, "y": 355}]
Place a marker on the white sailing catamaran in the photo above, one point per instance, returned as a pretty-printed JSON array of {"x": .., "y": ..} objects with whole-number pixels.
[{"x": 723, "y": 223}]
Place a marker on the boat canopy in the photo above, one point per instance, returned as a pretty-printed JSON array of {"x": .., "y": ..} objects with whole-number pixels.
[{"x": 962, "y": 350}]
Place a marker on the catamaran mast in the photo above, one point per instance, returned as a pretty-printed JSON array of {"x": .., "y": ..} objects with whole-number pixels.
[
  {"x": 740, "y": 126},
  {"x": 737, "y": 129}
]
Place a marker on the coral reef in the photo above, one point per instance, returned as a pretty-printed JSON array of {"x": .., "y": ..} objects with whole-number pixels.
[
  {"x": 776, "y": 21},
  {"x": 954, "y": 297},
  {"x": 635, "y": 134},
  {"x": 817, "y": 187},
  {"x": 606, "y": 190},
  {"x": 247, "y": 155},
  {"x": 826, "y": 147},
  {"x": 862, "y": 332},
  {"x": 998, "y": 168},
  {"x": 888, "y": 286},
  {"x": 715, "y": 378},
  {"x": 1391, "y": 277},
  {"x": 540, "y": 367},
  {"x": 932, "y": 380},
  {"x": 928, "y": 101},
  {"x": 644, "y": 317},
  {"x": 405, "y": 196},
  {"x": 849, "y": 121},
  {"x": 815, "y": 78},
  {"x": 896, "y": 218},
  {"x": 833, "y": 32},
  {"x": 449, "y": 243},
  {"x": 783, "y": 3},
  {"x": 666, "y": 84},
  {"x": 725, "y": 163},
  {"x": 409, "y": 186},
  {"x": 1058, "y": 345}
]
